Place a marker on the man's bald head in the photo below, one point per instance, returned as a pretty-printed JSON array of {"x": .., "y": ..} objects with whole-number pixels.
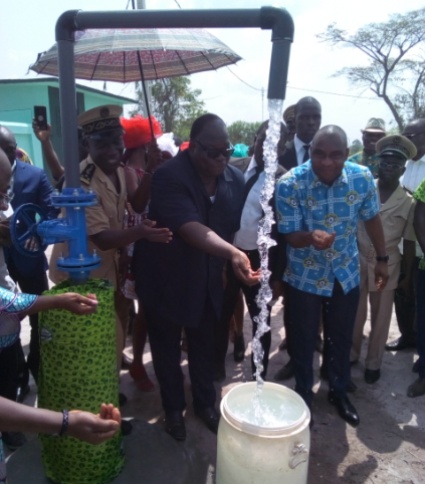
[
  {"x": 331, "y": 130},
  {"x": 328, "y": 153}
]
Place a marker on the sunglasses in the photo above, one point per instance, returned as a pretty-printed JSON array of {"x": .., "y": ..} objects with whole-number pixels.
[{"x": 214, "y": 153}]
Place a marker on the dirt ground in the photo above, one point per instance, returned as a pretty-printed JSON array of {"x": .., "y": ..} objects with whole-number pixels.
[{"x": 387, "y": 447}]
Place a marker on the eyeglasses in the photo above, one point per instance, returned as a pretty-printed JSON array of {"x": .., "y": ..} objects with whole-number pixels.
[
  {"x": 6, "y": 197},
  {"x": 214, "y": 153}
]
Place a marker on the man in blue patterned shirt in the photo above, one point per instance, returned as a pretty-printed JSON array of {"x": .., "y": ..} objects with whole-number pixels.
[{"x": 319, "y": 204}]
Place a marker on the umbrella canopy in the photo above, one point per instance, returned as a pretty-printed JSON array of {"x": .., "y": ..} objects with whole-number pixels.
[{"x": 129, "y": 55}]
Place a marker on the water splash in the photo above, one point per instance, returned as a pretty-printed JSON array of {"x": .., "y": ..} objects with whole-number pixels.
[{"x": 264, "y": 241}]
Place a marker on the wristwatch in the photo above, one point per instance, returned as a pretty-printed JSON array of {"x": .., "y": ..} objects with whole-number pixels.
[{"x": 382, "y": 258}]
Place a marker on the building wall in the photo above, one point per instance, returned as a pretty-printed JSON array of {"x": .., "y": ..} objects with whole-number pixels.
[{"x": 17, "y": 101}]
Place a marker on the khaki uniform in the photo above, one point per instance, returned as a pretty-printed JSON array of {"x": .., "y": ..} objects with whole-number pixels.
[
  {"x": 107, "y": 214},
  {"x": 397, "y": 221}
]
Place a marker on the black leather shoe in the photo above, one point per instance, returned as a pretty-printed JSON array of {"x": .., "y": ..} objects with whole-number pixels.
[
  {"x": 345, "y": 409},
  {"x": 286, "y": 372},
  {"x": 174, "y": 425},
  {"x": 372, "y": 376},
  {"x": 399, "y": 344},
  {"x": 239, "y": 349},
  {"x": 417, "y": 388},
  {"x": 210, "y": 417}
]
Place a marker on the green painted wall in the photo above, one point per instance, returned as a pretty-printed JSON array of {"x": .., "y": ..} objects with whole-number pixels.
[{"x": 18, "y": 97}]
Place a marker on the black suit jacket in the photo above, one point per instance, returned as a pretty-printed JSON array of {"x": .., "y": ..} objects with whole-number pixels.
[
  {"x": 289, "y": 158},
  {"x": 174, "y": 280}
]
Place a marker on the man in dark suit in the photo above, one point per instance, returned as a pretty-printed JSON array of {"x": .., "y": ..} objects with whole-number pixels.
[
  {"x": 29, "y": 185},
  {"x": 308, "y": 116},
  {"x": 199, "y": 197}
]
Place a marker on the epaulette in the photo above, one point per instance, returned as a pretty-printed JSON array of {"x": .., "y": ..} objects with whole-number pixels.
[{"x": 87, "y": 174}]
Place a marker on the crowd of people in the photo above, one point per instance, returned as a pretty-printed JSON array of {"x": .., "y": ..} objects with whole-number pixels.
[{"x": 176, "y": 230}]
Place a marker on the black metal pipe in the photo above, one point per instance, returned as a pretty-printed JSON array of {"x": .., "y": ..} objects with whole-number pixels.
[{"x": 276, "y": 19}]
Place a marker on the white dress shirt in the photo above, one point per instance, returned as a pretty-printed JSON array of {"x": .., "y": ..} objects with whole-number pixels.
[
  {"x": 413, "y": 175},
  {"x": 246, "y": 236}
]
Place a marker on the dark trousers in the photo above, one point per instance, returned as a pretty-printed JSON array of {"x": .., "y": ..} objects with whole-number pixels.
[
  {"x": 339, "y": 312},
  {"x": 233, "y": 286},
  {"x": 165, "y": 338},
  {"x": 405, "y": 307},
  {"x": 287, "y": 318},
  {"x": 10, "y": 368},
  {"x": 420, "y": 299},
  {"x": 35, "y": 284}
]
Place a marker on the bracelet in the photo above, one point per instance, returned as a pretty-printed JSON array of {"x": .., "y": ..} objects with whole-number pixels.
[
  {"x": 65, "y": 423},
  {"x": 382, "y": 258}
]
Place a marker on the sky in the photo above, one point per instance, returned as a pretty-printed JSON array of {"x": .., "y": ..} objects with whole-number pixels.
[{"x": 238, "y": 92}]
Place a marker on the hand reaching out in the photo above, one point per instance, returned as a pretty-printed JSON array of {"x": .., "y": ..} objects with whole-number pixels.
[
  {"x": 78, "y": 304},
  {"x": 149, "y": 232},
  {"x": 94, "y": 429},
  {"x": 242, "y": 269}
]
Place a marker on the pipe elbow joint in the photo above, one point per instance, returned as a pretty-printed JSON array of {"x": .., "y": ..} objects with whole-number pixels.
[
  {"x": 66, "y": 25},
  {"x": 279, "y": 21}
]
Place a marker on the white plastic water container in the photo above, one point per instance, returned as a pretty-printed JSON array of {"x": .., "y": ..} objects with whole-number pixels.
[{"x": 263, "y": 439}]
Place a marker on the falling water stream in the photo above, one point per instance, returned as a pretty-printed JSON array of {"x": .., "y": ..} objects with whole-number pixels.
[{"x": 261, "y": 411}]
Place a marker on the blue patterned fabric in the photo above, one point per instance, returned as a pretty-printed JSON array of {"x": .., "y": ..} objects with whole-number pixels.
[
  {"x": 304, "y": 203},
  {"x": 12, "y": 304}
]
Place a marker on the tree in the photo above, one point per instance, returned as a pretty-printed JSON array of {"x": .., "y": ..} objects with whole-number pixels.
[
  {"x": 395, "y": 71},
  {"x": 175, "y": 104},
  {"x": 355, "y": 147},
  {"x": 243, "y": 132}
]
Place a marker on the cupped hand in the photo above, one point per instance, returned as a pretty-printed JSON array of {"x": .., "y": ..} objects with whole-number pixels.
[
  {"x": 79, "y": 304},
  {"x": 322, "y": 240}
]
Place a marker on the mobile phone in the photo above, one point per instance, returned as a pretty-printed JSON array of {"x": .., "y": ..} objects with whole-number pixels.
[{"x": 40, "y": 116}]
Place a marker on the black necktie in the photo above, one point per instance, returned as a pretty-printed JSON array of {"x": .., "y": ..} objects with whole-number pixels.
[{"x": 306, "y": 153}]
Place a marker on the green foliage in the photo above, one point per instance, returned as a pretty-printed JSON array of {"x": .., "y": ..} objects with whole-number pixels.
[
  {"x": 243, "y": 132},
  {"x": 395, "y": 66},
  {"x": 175, "y": 104},
  {"x": 355, "y": 147}
]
